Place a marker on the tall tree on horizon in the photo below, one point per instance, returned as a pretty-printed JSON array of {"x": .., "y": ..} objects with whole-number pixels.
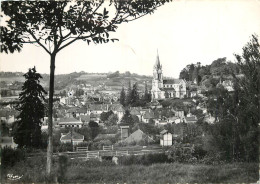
[
  {"x": 128, "y": 98},
  {"x": 135, "y": 95},
  {"x": 27, "y": 130},
  {"x": 147, "y": 95},
  {"x": 54, "y": 25},
  {"x": 122, "y": 97}
]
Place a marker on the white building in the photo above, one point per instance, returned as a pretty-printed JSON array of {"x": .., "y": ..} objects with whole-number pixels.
[
  {"x": 73, "y": 137},
  {"x": 165, "y": 138}
]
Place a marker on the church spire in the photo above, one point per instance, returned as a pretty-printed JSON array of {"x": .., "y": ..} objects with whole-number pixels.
[{"x": 157, "y": 63}]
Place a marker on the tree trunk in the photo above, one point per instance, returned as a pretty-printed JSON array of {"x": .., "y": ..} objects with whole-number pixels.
[{"x": 50, "y": 111}]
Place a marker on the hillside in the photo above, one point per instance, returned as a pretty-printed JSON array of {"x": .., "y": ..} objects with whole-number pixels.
[{"x": 113, "y": 81}]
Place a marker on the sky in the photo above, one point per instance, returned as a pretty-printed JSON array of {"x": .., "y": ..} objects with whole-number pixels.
[{"x": 183, "y": 32}]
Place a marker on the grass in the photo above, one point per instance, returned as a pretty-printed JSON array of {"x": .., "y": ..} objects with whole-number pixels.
[
  {"x": 107, "y": 172},
  {"x": 167, "y": 173}
]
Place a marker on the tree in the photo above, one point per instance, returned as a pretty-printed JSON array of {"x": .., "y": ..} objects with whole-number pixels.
[
  {"x": 236, "y": 131},
  {"x": 128, "y": 99},
  {"x": 184, "y": 74},
  {"x": 94, "y": 129},
  {"x": 147, "y": 95},
  {"x": 54, "y": 25},
  {"x": 122, "y": 97},
  {"x": 112, "y": 120},
  {"x": 27, "y": 130},
  {"x": 247, "y": 99},
  {"x": 127, "y": 119},
  {"x": 4, "y": 128},
  {"x": 105, "y": 115},
  {"x": 135, "y": 96}
]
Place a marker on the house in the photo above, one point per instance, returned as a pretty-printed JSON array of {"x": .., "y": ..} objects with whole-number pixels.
[
  {"x": 81, "y": 111},
  {"x": 174, "y": 119},
  {"x": 71, "y": 112},
  {"x": 118, "y": 110},
  {"x": 161, "y": 122},
  {"x": 98, "y": 108},
  {"x": 8, "y": 116},
  {"x": 69, "y": 122},
  {"x": 73, "y": 137},
  {"x": 7, "y": 142},
  {"x": 190, "y": 119},
  {"x": 179, "y": 113},
  {"x": 85, "y": 119},
  {"x": 137, "y": 137},
  {"x": 165, "y": 138},
  {"x": 137, "y": 113},
  {"x": 95, "y": 117},
  {"x": 147, "y": 116}
]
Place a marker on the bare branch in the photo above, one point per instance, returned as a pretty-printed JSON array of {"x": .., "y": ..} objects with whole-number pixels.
[{"x": 98, "y": 7}]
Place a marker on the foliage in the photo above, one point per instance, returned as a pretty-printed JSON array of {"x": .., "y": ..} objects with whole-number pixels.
[
  {"x": 27, "y": 130},
  {"x": 93, "y": 124},
  {"x": 11, "y": 156},
  {"x": 107, "y": 172},
  {"x": 4, "y": 128},
  {"x": 86, "y": 131},
  {"x": 62, "y": 168},
  {"x": 112, "y": 120},
  {"x": 181, "y": 153},
  {"x": 128, "y": 98},
  {"x": 122, "y": 97},
  {"x": 54, "y": 25},
  {"x": 146, "y": 159},
  {"x": 235, "y": 133},
  {"x": 104, "y": 115},
  {"x": 204, "y": 74},
  {"x": 63, "y": 147},
  {"x": 147, "y": 128},
  {"x": 127, "y": 119},
  {"x": 95, "y": 129},
  {"x": 114, "y": 75}
]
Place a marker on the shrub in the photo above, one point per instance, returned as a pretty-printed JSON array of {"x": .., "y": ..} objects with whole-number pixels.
[
  {"x": 146, "y": 159},
  {"x": 11, "y": 156},
  {"x": 181, "y": 153},
  {"x": 63, "y": 147},
  {"x": 212, "y": 158},
  {"x": 199, "y": 152}
]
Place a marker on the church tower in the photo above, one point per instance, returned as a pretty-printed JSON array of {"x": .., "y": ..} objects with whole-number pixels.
[
  {"x": 157, "y": 83},
  {"x": 157, "y": 72}
]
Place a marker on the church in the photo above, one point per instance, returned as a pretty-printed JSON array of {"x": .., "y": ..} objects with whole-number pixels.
[{"x": 166, "y": 88}]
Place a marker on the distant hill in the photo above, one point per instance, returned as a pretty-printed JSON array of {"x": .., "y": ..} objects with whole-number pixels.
[{"x": 113, "y": 81}]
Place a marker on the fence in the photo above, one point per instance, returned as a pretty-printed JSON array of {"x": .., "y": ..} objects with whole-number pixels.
[
  {"x": 92, "y": 154},
  {"x": 108, "y": 148},
  {"x": 82, "y": 149}
]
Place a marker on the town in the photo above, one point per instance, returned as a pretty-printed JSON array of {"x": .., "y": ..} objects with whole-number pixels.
[
  {"x": 87, "y": 105},
  {"x": 85, "y": 97}
]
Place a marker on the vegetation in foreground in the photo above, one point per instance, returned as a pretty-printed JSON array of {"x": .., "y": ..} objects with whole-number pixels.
[{"x": 71, "y": 171}]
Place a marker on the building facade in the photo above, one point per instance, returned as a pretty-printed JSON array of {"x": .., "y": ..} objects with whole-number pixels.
[{"x": 166, "y": 88}]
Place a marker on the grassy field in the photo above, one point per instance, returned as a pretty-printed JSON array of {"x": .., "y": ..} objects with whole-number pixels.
[{"x": 107, "y": 172}]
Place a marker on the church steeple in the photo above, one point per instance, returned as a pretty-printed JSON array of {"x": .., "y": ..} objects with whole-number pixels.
[{"x": 157, "y": 65}]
